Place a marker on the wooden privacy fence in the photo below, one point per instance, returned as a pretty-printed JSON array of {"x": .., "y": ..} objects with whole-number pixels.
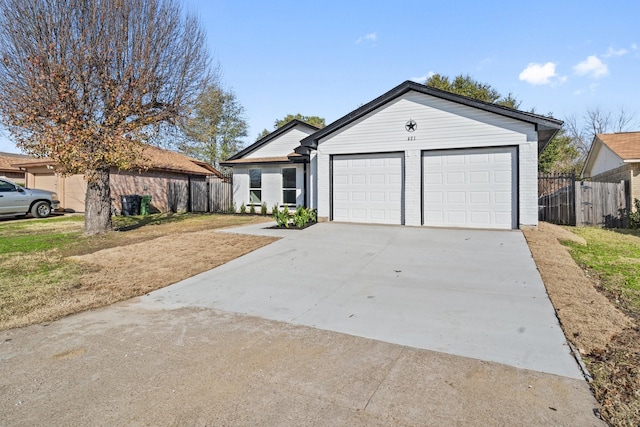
[
  {"x": 563, "y": 200},
  {"x": 601, "y": 204},
  {"x": 202, "y": 194}
]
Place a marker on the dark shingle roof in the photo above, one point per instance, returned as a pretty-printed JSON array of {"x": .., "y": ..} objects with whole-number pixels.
[{"x": 546, "y": 127}]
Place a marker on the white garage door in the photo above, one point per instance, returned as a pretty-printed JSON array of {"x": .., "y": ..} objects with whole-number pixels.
[
  {"x": 470, "y": 188},
  {"x": 367, "y": 188}
]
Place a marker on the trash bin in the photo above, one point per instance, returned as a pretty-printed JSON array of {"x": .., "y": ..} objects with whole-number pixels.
[
  {"x": 130, "y": 205},
  {"x": 145, "y": 205}
]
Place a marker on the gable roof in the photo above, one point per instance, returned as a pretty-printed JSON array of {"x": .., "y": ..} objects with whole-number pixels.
[
  {"x": 8, "y": 159},
  {"x": 546, "y": 127},
  {"x": 270, "y": 137},
  {"x": 160, "y": 159},
  {"x": 625, "y": 144}
]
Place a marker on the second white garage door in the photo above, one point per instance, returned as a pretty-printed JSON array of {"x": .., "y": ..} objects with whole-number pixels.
[
  {"x": 470, "y": 188},
  {"x": 367, "y": 188}
]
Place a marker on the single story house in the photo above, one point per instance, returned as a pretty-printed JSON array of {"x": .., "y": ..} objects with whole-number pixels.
[
  {"x": 166, "y": 181},
  {"x": 615, "y": 157},
  {"x": 270, "y": 172},
  {"x": 415, "y": 155},
  {"x": 7, "y": 170}
]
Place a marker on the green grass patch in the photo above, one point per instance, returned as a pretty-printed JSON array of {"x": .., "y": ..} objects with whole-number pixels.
[
  {"x": 614, "y": 257},
  {"x": 41, "y": 235},
  {"x": 36, "y": 242}
]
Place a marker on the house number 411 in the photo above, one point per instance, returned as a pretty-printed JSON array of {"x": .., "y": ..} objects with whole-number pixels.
[{"x": 411, "y": 138}]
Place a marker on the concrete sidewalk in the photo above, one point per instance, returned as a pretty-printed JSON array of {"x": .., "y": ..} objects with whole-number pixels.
[
  {"x": 127, "y": 366},
  {"x": 472, "y": 293}
]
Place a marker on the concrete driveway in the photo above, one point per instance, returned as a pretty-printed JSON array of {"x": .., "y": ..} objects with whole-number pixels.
[
  {"x": 172, "y": 359},
  {"x": 471, "y": 293}
]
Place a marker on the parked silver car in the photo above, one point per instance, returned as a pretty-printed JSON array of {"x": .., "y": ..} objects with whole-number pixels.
[{"x": 17, "y": 201}]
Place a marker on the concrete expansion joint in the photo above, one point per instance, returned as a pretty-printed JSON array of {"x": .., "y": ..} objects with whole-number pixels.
[{"x": 386, "y": 375}]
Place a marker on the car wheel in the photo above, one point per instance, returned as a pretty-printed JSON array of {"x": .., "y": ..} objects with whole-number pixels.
[{"x": 41, "y": 210}]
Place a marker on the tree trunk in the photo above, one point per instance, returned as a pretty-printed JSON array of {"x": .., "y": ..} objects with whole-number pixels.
[{"x": 97, "y": 215}]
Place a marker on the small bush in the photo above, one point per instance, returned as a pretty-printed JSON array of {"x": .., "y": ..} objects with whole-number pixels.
[
  {"x": 252, "y": 210},
  {"x": 243, "y": 209},
  {"x": 301, "y": 218},
  {"x": 281, "y": 217},
  {"x": 263, "y": 208}
]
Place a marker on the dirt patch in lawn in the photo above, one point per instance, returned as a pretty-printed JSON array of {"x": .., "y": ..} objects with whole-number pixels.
[
  {"x": 608, "y": 339},
  {"x": 141, "y": 267},
  {"x": 119, "y": 266}
]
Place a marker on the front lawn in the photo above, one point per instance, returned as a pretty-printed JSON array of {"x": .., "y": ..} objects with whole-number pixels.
[
  {"x": 612, "y": 260},
  {"x": 49, "y": 269}
]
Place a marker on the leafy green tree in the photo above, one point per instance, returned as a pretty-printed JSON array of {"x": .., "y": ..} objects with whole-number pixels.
[
  {"x": 560, "y": 155},
  {"x": 312, "y": 120},
  {"x": 467, "y": 86},
  {"x": 215, "y": 130},
  {"x": 262, "y": 134}
]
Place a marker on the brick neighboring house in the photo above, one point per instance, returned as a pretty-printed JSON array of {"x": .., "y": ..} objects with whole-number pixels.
[
  {"x": 9, "y": 171},
  {"x": 167, "y": 181},
  {"x": 615, "y": 157}
]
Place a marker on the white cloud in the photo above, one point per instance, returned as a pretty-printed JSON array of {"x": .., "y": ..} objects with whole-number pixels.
[
  {"x": 613, "y": 52},
  {"x": 371, "y": 37},
  {"x": 422, "y": 79},
  {"x": 591, "y": 66},
  {"x": 538, "y": 74},
  {"x": 634, "y": 46},
  {"x": 578, "y": 92}
]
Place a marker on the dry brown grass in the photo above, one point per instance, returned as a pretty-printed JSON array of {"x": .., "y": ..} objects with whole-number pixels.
[
  {"x": 102, "y": 270},
  {"x": 589, "y": 320},
  {"x": 608, "y": 339}
]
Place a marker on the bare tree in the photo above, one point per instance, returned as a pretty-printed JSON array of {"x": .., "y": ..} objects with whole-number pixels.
[
  {"x": 596, "y": 121},
  {"x": 83, "y": 81}
]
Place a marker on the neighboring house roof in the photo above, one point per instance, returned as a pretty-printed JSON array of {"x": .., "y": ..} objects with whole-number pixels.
[
  {"x": 624, "y": 145},
  {"x": 268, "y": 138},
  {"x": 159, "y": 159},
  {"x": 546, "y": 127},
  {"x": 8, "y": 159}
]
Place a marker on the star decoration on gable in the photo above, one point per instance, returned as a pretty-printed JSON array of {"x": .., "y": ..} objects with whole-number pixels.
[{"x": 411, "y": 125}]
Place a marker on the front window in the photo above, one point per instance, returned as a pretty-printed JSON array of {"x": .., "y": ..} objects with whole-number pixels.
[
  {"x": 289, "y": 186},
  {"x": 255, "y": 186}
]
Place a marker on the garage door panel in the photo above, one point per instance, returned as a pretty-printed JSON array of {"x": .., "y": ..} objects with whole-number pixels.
[
  {"x": 368, "y": 188},
  {"x": 479, "y": 197},
  {"x": 396, "y": 198},
  {"x": 479, "y": 177},
  {"x": 470, "y": 188},
  {"x": 455, "y": 178},
  {"x": 377, "y": 179}
]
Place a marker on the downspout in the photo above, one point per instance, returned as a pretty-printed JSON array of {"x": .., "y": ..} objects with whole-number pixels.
[{"x": 306, "y": 193}]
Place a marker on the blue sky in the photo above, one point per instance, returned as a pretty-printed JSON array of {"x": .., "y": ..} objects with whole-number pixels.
[{"x": 326, "y": 58}]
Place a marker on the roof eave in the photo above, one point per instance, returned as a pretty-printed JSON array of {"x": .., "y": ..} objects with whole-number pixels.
[
  {"x": 546, "y": 127},
  {"x": 595, "y": 145},
  {"x": 271, "y": 136}
]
